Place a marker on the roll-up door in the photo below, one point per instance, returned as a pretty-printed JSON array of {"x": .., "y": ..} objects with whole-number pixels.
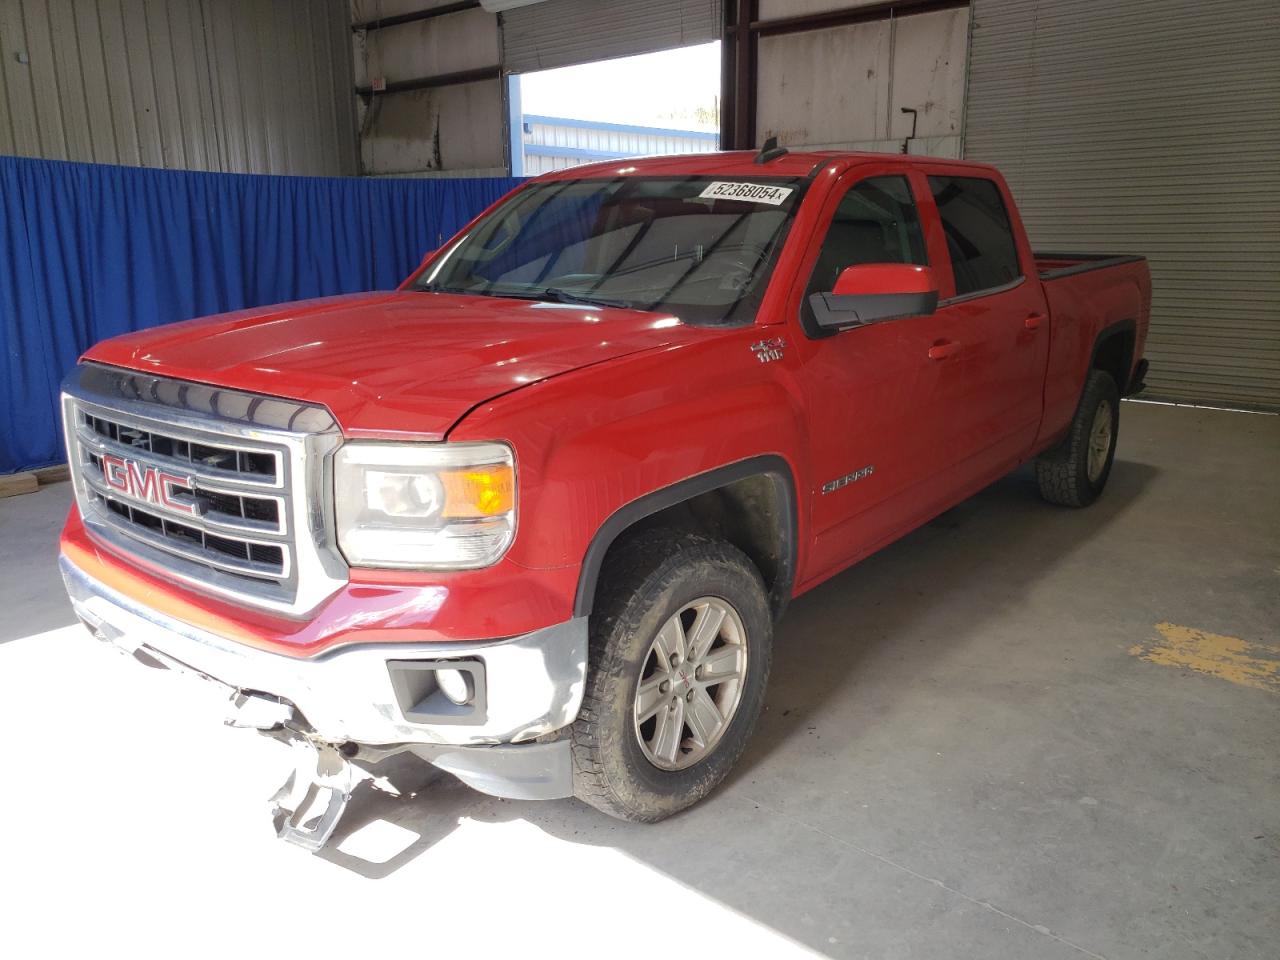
[
  {"x": 559, "y": 33},
  {"x": 1152, "y": 127}
]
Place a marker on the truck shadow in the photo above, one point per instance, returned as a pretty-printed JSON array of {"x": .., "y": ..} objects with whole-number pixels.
[
  {"x": 936, "y": 589},
  {"x": 968, "y": 565}
]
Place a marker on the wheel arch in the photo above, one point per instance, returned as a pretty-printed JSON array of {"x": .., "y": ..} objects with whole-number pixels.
[
  {"x": 769, "y": 539},
  {"x": 1113, "y": 351}
]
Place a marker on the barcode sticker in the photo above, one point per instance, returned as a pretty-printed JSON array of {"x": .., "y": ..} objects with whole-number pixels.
[{"x": 751, "y": 192}]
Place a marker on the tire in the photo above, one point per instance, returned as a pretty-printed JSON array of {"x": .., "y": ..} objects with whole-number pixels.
[
  {"x": 626, "y": 766},
  {"x": 1074, "y": 472}
]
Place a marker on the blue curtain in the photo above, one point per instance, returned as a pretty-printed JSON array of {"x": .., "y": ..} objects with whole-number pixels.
[{"x": 90, "y": 251}]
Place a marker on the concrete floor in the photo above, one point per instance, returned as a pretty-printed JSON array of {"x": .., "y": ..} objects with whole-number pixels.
[{"x": 978, "y": 744}]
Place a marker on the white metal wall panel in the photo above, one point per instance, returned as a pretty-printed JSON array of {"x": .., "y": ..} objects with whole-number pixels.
[
  {"x": 916, "y": 61},
  {"x": 454, "y": 128},
  {"x": 261, "y": 86},
  {"x": 451, "y": 128},
  {"x": 796, "y": 100},
  {"x": 1152, "y": 127},
  {"x": 559, "y": 33},
  {"x": 447, "y": 44}
]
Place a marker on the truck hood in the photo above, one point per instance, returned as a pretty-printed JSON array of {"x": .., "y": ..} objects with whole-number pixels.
[{"x": 406, "y": 363}]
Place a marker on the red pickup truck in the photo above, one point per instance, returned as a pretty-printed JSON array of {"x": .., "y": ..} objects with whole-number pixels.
[{"x": 532, "y": 516}]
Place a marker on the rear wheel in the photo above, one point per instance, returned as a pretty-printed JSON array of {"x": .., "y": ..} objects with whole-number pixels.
[
  {"x": 680, "y": 651},
  {"x": 1074, "y": 472}
]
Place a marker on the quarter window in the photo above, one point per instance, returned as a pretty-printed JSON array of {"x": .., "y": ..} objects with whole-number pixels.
[{"x": 979, "y": 236}]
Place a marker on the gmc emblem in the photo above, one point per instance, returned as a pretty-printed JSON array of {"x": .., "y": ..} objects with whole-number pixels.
[{"x": 148, "y": 484}]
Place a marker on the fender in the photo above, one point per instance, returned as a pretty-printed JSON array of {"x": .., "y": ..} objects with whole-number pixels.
[
  {"x": 626, "y": 516},
  {"x": 1050, "y": 437}
]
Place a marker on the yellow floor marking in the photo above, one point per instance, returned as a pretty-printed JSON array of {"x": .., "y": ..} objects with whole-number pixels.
[{"x": 1248, "y": 664}]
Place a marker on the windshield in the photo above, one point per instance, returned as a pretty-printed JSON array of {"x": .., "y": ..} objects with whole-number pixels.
[{"x": 696, "y": 247}]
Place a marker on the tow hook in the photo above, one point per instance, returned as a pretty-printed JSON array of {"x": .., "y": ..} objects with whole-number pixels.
[{"x": 308, "y": 806}]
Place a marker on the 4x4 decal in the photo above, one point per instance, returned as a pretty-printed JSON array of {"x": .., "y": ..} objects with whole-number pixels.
[{"x": 768, "y": 350}]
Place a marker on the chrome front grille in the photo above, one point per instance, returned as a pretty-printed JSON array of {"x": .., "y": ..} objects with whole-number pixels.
[
  {"x": 227, "y": 461},
  {"x": 220, "y": 489}
]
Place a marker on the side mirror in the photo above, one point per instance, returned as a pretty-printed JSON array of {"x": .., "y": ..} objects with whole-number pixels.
[{"x": 872, "y": 292}]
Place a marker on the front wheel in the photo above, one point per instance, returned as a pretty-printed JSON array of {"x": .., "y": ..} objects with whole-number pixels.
[
  {"x": 1074, "y": 472},
  {"x": 680, "y": 651}
]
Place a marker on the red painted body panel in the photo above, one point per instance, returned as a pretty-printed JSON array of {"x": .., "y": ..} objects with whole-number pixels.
[
  {"x": 1080, "y": 305},
  {"x": 604, "y": 406},
  {"x": 391, "y": 364},
  {"x": 501, "y": 601}
]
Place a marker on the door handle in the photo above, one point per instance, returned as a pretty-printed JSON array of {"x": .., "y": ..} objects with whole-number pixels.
[
  {"x": 1033, "y": 322},
  {"x": 943, "y": 349}
]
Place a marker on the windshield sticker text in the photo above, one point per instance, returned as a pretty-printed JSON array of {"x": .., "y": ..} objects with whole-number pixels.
[{"x": 752, "y": 192}]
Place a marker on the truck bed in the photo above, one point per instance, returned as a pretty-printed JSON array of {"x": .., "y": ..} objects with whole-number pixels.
[
  {"x": 1089, "y": 293},
  {"x": 1052, "y": 266}
]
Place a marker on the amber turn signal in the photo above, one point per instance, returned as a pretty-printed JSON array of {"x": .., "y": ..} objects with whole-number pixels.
[{"x": 478, "y": 492}]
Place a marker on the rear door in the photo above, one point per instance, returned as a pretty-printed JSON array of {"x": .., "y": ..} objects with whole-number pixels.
[{"x": 993, "y": 306}]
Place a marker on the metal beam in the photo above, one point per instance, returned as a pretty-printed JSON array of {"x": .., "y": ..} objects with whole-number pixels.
[
  {"x": 439, "y": 80},
  {"x": 840, "y": 18},
  {"x": 738, "y": 76},
  {"x": 416, "y": 15}
]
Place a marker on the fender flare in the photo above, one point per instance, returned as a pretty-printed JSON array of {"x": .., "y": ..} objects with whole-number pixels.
[
  {"x": 626, "y": 516},
  {"x": 1110, "y": 332}
]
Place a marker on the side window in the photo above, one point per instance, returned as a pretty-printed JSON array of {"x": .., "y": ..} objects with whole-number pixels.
[
  {"x": 979, "y": 237},
  {"x": 876, "y": 222}
]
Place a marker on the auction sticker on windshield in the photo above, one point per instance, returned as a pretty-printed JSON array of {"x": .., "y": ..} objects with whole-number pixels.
[{"x": 752, "y": 192}]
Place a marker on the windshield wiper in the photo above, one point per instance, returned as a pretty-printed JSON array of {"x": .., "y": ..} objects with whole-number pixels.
[
  {"x": 560, "y": 295},
  {"x": 554, "y": 294}
]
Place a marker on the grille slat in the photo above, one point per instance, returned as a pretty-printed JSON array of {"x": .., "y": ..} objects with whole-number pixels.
[
  {"x": 258, "y": 464},
  {"x": 250, "y": 514},
  {"x": 181, "y": 461},
  {"x": 239, "y": 527},
  {"x": 260, "y": 561}
]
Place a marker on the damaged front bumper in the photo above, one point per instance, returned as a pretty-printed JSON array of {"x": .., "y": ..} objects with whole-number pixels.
[{"x": 366, "y": 702}]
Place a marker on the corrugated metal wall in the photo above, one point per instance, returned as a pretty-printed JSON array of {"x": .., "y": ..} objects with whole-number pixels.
[
  {"x": 560, "y": 33},
  {"x": 1153, "y": 127},
  {"x": 260, "y": 86}
]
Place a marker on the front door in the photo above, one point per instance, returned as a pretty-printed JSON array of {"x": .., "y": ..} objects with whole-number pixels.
[{"x": 879, "y": 403}]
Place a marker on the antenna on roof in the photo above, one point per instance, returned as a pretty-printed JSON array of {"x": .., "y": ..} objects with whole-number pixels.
[{"x": 770, "y": 151}]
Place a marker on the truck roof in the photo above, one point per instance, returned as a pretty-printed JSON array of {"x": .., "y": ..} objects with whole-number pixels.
[{"x": 736, "y": 163}]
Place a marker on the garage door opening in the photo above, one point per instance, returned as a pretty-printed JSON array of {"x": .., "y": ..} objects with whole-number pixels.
[{"x": 654, "y": 103}]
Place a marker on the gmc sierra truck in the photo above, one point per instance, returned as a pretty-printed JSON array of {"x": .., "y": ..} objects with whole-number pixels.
[{"x": 532, "y": 516}]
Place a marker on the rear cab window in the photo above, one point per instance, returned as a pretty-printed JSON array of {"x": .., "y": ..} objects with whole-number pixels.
[{"x": 980, "y": 241}]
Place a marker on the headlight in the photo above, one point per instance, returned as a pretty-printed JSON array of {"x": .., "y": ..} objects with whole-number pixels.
[{"x": 424, "y": 505}]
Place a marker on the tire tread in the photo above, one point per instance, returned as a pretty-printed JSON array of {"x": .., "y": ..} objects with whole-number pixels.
[
  {"x": 1062, "y": 473},
  {"x": 638, "y": 569}
]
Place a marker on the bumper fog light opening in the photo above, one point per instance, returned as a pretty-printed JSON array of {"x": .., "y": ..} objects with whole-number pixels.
[
  {"x": 456, "y": 685},
  {"x": 448, "y": 692}
]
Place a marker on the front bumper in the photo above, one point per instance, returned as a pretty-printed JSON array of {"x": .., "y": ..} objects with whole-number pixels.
[{"x": 370, "y": 694}]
